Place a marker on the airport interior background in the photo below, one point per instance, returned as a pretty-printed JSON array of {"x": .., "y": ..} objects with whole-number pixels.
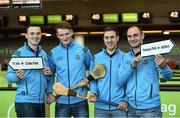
[{"x": 159, "y": 19}]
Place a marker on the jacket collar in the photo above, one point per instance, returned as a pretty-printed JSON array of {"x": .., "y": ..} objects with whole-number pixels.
[
  {"x": 115, "y": 52},
  {"x": 132, "y": 53},
  {"x": 69, "y": 45},
  {"x": 35, "y": 52}
]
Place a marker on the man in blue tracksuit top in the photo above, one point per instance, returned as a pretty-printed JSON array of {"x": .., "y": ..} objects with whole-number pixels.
[
  {"x": 142, "y": 77},
  {"x": 107, "y": 88},
  {"x": 31, "y": 84},
  {"x": 69, "y": 61}
]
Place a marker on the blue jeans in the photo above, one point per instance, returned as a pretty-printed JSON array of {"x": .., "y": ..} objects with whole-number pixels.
[
  {"x": 152, "y": 112},
  {"x": 30, "y": 109},
  {"x": 109, "y": 113},
  {"x": 77, "y": 110}
]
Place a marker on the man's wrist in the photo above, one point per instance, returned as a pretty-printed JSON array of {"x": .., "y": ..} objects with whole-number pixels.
[
  {"x": 49, "y": 93},
  {"x": 163, "y": 66},
  {"x": 132, "y": 66}
]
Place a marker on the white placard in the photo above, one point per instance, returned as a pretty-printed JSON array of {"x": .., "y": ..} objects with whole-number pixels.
[
  {"x": 155, "y": 48},
  {"x": 26, "y": 63}
]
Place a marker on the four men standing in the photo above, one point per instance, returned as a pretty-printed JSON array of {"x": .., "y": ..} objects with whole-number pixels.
[{"x": 131, "y": 81}]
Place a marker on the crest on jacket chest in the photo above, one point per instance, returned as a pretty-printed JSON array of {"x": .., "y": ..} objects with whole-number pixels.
[
  {"x": 77, "y": 57},
  {"x": 59, "y": 58},
  {"x": 145, "y": 61},
  {"x": 128, "y": 62}
]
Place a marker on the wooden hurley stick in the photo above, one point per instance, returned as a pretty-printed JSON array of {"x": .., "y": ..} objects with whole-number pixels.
[
  {"x": 98, "y": 71},
  {"x": 60, "y": 89}
]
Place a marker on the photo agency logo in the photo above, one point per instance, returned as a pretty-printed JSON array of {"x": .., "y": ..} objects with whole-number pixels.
[{"x": 170, "y": 109}]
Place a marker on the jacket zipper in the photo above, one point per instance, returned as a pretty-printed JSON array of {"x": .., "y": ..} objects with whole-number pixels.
[
  {"x": 151, "y": 91},
  {"x": 110, "y": 85},
  {"x": 40, "y": 88},
  {"x": 136, "y": 86},
  {"x": 27, "y": 92},
  {"x": 68, "y": 73}
]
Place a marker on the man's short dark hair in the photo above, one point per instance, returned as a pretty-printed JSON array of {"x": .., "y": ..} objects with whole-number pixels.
[
  {"x": 28, "y": 26},
  {"x": 63, "y": 25},
  {"x": 111, "y": 28}
]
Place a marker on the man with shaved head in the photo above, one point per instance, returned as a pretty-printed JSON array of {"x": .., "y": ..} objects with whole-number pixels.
[{"x": 141, "y": 74}]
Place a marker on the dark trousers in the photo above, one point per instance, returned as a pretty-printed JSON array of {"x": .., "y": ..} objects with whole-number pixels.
[
  {"x": 30, "y": 110},
  {"x": 77, "y": 110}
]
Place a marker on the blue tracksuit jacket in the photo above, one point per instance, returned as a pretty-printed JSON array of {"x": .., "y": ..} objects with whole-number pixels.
[
  {"x": 143, "y": 81},
  {"x": 107, "y": 88},
  {"x": 70, "y": 63},
  {"x": 35, "y": 84}
]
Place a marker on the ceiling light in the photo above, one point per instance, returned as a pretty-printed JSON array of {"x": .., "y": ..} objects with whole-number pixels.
[
  {"x": 96, "y": 33},
  {"x": 166, "y": 33},
  {"x": 82, "y": 33},
  {"x": 172, "y": 31},
  {"x": 152, "y": 31}
]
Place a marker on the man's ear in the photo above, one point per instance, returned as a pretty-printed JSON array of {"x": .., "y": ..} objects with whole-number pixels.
[
  {"x": 57, "y": 35},
  {"x": 117, "y": 37},
  {"x": 72, "y": 32},
  {"x": 143, "y": 36},
  {"x": 26, "y": 35}
]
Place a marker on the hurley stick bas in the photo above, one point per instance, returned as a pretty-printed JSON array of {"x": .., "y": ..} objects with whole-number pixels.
[{"x": 60, "y": 89}]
